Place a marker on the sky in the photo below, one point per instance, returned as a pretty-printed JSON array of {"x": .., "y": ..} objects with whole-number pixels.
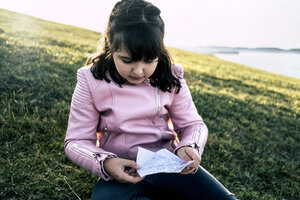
[{"x": 189, "y": 23}]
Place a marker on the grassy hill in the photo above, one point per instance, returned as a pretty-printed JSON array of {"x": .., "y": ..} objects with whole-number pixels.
[{"x": 253, "y": 116}]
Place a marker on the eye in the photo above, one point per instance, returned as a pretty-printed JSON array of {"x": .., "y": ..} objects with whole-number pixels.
[
  {"x": 126, "y": 61},
  {"x": 150, "y": 60}
]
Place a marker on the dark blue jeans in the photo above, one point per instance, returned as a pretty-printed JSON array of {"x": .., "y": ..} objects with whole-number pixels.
[{"x": 201, "y": 185}]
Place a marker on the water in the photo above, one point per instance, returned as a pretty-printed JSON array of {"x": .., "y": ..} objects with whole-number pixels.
[{"x": 287, "y": 64}]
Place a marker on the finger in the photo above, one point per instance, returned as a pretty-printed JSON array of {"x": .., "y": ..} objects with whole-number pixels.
[
  {"x": 126, "y": 178},
  {"x": 132, "y": 171},
  {"x": 135, "y": 179},
  {"x": 129, "y": 171},
  {"x": 184, "y": 156},
  {"x": 193, "y": 154},
  {"x": 132, "y": 164},
  {"x": 193, "y": 165},
  {"x": 188, "y": 168},
  {"x": 188, "y": 171},
  {"x": 130, "y": 175},
  {"x": 134, "y": 174}
]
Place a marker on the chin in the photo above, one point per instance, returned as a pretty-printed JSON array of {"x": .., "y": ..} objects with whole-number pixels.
[{"x": 135, "y": 82}]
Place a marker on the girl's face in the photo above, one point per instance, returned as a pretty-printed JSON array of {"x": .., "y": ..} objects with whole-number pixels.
[{"x": 134, "y": 72}]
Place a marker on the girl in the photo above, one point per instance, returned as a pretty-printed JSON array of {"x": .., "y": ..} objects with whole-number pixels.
[{"x": 128, "y": 92}]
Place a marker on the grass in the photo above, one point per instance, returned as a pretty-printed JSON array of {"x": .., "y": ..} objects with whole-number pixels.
[{"x": 253, "y": 116}]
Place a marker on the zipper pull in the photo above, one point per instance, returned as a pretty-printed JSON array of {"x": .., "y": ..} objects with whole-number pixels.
[{"x": 105, "y": 131}]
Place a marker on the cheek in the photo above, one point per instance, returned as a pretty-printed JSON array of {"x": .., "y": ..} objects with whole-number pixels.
[
  {"x": 121, "y": 68},
  {"x": 151, "y": 69}
]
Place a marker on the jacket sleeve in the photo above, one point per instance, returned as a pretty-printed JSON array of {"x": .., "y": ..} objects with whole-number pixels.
[
  {"x": 187, "y": 123},
  {"x": 81, "y": 132}
]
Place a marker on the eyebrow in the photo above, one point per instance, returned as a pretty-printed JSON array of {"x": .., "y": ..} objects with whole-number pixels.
[{"x": 124, "y": 57}]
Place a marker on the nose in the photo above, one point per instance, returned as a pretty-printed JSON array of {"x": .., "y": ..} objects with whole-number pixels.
[{"x": 138, "y": 69}]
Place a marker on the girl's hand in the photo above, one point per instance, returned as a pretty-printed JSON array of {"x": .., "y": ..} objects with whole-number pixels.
[
  {"x": 187, "y": 154},
  {"x": 116, "y": 167}
]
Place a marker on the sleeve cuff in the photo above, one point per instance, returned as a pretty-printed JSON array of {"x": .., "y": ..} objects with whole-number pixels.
[{"x": 104, "y": 174}]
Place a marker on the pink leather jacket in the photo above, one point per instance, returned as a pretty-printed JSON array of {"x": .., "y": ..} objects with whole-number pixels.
[{"x": 128, "y": 116}]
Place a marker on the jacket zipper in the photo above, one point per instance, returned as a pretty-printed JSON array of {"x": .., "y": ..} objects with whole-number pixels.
[
  {"x": 196, "y": 136},
  {"x": 106, "y": 135},
  {"x": 158, "y": 107},
  {"x": 105, "y": 131},
  {"x": 85, "y": 152},
  {"x": 158, "y": 102}
]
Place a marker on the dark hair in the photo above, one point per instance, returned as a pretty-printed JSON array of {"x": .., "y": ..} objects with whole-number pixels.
[{"x": 137, "y": 26}]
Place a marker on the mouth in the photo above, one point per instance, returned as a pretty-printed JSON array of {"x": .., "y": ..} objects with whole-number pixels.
[{"x": 136, "y": 78}]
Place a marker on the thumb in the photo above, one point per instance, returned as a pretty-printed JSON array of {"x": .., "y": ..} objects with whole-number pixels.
[
  {"x": 191, "y": 154},
  {"x": 185, "y": 156},
  {"x": 194, "y": 155}
]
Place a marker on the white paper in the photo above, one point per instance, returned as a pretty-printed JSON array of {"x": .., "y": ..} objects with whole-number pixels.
[
  {"x": 157, "y": 162},
  {"x": 143, "y": 155}
]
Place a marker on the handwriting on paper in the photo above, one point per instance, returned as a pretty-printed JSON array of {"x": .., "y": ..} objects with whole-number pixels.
[{"x": 157, "y": 162}]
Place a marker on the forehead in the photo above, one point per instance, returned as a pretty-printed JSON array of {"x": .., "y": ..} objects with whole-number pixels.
[{"x": 122, "y": 51}]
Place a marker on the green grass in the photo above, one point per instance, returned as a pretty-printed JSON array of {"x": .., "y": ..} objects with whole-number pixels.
[{"x": 253, "y": 116}]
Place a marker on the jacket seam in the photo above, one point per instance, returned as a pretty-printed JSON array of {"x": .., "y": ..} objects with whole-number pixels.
[
  {"x": 89, "y": 99},
  {"x": 155, "y": 97},
  {"x": 90, "y": 90}
]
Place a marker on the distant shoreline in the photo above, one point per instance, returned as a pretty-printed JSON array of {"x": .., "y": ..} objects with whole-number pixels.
[
  {"x": 210, "y": 50},
  {"x": 274, "y": 60},
  {"x": 284, "y": 63}
]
